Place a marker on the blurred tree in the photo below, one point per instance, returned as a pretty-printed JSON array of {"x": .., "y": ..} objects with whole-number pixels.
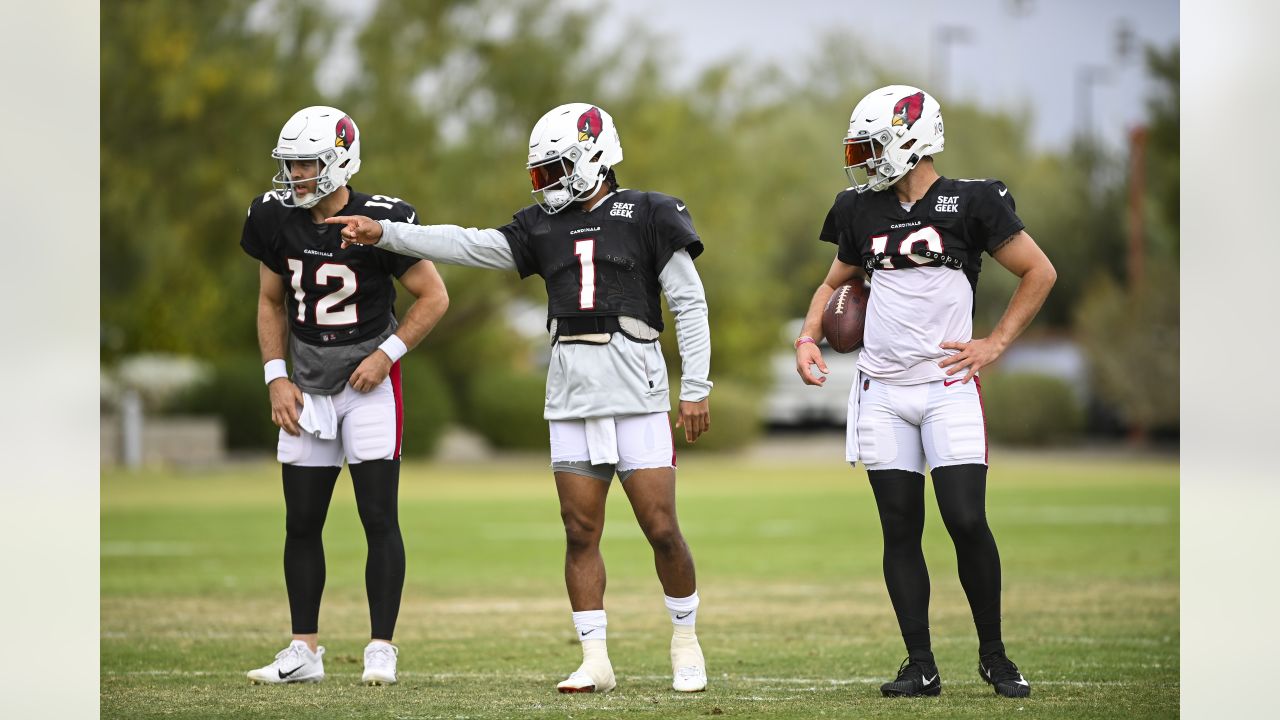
[
  {"x": 193, "y": 95},
  {"x": 1131, "y": 334},
  {"x": 445, "y": 94}
]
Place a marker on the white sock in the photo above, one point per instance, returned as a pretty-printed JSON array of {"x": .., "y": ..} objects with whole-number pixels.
[
  {"x": 590, "y": 625},
  {"x": 684, "y": 611}
]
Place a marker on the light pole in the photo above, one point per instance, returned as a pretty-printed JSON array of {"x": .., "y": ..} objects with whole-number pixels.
[
  {"x": 944, "y": 37},
  {"x": 1087, "y": 76}
]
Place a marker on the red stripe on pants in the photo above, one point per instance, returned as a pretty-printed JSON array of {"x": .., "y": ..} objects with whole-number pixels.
[
  {"x": 396, "y": 386},
  {"x": 986, "y": 444}
]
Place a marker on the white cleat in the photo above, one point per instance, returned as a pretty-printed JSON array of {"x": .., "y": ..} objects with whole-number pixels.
[
  {"x": 595, "y": 677},
  {"x": 688, "y": 669},
  {"x": 380, "y": 664},
  {"x": 294, "y": 664}
]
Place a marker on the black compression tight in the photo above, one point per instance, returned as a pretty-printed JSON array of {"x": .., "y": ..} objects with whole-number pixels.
[
  {"x": 307, "y": 492},
  {"x": 377, "y": 485},
  {"x": 961, "y": 494}
]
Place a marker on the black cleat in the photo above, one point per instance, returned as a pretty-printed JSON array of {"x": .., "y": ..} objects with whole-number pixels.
[
  {"x": 915, "y": 678},
  {"x": 999, "y": 671}
]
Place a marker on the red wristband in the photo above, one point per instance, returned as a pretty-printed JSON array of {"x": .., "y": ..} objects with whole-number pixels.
[{"x": 804, "y": 339}]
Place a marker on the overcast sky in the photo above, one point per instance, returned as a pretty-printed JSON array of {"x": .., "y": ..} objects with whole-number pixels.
[{"x": 1018, "y": 53}]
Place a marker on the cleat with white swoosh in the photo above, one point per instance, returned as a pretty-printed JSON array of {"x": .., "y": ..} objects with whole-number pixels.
[
  {"x": 294, "y": 664},
  {"x": 915, "y": 678},
  {"x": 999, "y": 671}
]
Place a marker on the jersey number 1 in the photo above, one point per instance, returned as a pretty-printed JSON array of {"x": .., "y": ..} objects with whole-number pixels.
[
  {"x": 586, "y": 252},
  {"x": 325, "y": 315}
]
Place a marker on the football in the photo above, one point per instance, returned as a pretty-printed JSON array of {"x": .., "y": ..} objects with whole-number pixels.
[{"x": 845, "y": 315}]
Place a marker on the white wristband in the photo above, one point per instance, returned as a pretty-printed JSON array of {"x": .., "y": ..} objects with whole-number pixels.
[
  {"x": 274, "y": 370},
  {"x": 394, "y": 347}
]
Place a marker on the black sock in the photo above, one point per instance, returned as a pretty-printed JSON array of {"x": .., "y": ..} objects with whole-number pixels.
[
  {"x": 307, "y": 491},
  {"x": 377, "y": 485},
  {"x": 962, "y": 499},
  {"x": 900, "y": 500}
]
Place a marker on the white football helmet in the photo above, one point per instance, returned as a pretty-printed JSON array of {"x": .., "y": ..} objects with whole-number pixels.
[
  {"x": 570, "y": 152},
  {"x": 890, "y": 130},
  {"x": 319, "y": 133}
]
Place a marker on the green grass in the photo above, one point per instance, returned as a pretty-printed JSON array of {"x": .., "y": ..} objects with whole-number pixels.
[{"x": 795, "y": 620}]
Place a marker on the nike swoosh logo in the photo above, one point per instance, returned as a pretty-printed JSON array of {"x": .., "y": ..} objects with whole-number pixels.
[
  {"x": 1023, "y": 682},
  {"x": 588, "y": 632},
  {"x": 927, "y": 681},
  {"x": 1003, "y": 191},
  {"x": 681, "y": 617},
  {"x": 284, "y": 674},
  {"x": 949, "y": 383},
  {"x": 679, "y": 207},
  {"x": 412, "y": 216}
]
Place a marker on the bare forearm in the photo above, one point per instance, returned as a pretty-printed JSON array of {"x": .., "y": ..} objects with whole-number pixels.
[
  {"x": 1027, "y": 300},
  {"x": 273, "y": 330},
  {"x": 420, "y": 318},
  {"x": 813, "y": 318}
]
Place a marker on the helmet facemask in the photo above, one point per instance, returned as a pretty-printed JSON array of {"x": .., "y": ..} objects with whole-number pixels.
[
  {"x": 571, "y": 150},
  {"x": 908, "y": 128},
  {"x": 319, "y": 134},
  {"x": 286, "y": 186}
]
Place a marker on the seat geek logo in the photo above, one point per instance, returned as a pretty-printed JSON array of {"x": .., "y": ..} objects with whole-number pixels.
[
  {"x": 621, "y": 209},
  {"x": 947, "y": 203}
]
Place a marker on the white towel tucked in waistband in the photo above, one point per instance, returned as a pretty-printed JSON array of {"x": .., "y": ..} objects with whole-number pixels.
[
  {"x": 319, "y": 416},
  {"x": 851, "y": 425},
  {"x": 602, "y": 441}
]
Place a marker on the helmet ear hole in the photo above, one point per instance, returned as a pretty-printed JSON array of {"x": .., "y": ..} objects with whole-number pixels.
[
  {"x": 596, "y": 157},
  {"x": 909, "y": 144}
]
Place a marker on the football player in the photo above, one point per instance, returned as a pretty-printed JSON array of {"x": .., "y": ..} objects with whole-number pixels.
[
  {"x": 916, "y": 400},
  {"x": 336, "y": 306},
  {"x": 606, "y": 254}
]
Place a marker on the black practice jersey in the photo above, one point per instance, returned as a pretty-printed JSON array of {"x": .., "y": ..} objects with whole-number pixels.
[
  {"x": 335, "y": 296},
  {"x": 607, "y": 261},
  {"x": 951, "y": 225}
]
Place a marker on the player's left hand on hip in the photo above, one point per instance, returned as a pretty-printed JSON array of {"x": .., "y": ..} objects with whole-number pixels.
[
  {"x": 371, "y": 372},
  {"x": 695, "y": 418},
  {"x": 973, "y": 356}
]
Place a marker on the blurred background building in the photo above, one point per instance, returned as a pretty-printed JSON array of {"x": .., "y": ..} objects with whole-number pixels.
[{"x": 737, "y": 108}]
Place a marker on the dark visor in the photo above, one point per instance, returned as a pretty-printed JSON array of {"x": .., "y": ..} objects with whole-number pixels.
[
  {"x": 548, "y": 173},
  {"x": 857, "y": 152}
]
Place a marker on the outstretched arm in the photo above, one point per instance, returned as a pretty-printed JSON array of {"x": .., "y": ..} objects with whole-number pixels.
[
  {"x": 1022, "y": 257},
  {"x": 688, "y": 302},
  {"x": 449, "y": 244}
]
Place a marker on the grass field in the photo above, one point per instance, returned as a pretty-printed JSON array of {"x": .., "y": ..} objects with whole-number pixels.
[{"x": 795, "y": 620}]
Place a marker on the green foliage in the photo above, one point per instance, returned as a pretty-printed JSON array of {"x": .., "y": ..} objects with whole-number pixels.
[
  {"x": 505, "y": 407},
  {"x": 428, "y": 405},
  {"x": 234, "y": 393},
  {"x": 1030, "y": 409},
  {"x": 1131, "y": 339},
  {"x": 445, "y": 93},
  {"x": 735, "y": 419}
]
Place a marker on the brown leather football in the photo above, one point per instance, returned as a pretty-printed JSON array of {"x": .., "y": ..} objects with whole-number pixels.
[{"x": 845, "y": 316}]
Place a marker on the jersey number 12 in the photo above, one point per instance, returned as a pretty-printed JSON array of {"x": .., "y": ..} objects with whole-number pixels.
[{"x": 325, "y": 314}]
